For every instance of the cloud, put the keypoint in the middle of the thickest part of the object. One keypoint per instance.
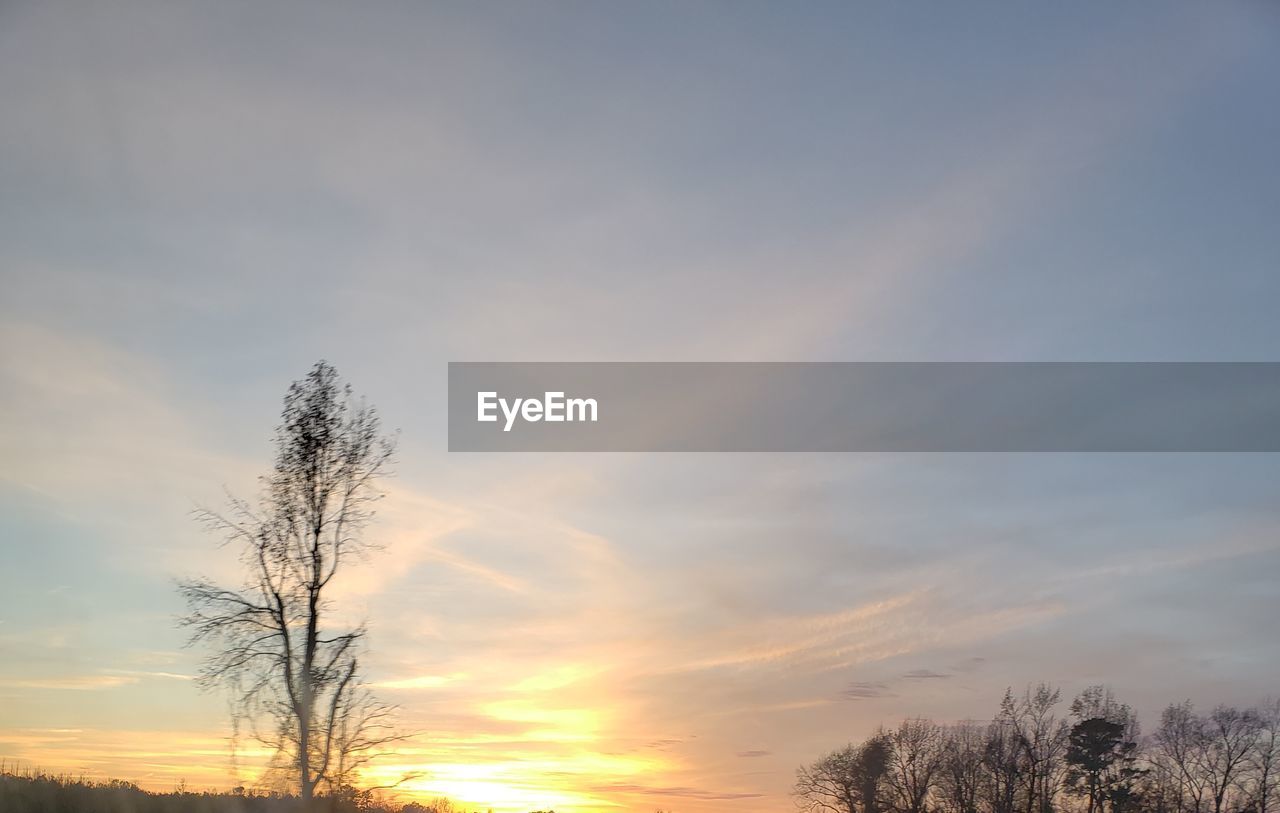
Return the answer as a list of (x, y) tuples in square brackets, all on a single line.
[(420, 682), (866, 690), (924, 674), (676, 791), (164, 675), (71, 683)]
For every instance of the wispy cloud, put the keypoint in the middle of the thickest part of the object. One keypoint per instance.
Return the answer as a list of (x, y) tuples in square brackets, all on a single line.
[(924, 674), (863, 690), (72, 683), (420, 682)]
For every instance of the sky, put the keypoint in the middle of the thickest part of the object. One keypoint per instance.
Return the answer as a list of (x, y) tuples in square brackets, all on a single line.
[(198, 201)]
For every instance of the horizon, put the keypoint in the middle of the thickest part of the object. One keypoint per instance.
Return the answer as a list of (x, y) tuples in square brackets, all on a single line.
[(202, 201)]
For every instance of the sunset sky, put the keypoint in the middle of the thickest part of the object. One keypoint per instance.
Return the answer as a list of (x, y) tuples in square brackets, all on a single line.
[(197, 202)]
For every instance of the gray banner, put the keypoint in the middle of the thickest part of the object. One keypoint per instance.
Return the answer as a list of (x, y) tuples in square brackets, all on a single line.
[(864, 407)]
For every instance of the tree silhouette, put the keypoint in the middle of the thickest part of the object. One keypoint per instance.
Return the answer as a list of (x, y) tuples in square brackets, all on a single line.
[(915, 760), (1102, 751), (1028, 759), (1100, 761), (294, 678), (850, 780)]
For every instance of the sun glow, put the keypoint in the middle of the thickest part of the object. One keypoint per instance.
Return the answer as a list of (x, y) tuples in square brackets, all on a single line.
[(518, 785)]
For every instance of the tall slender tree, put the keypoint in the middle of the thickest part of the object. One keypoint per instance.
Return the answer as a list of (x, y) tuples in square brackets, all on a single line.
[(293, 674)]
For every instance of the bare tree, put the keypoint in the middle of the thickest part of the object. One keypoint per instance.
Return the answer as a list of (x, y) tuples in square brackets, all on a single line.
[(1265, 760), (1229, 738), (294, 678), (961, 775), (850, 780), (915, 760), (1028, 760), (1043, 737), (1180, 743), (1004, 759), (1160, 789)]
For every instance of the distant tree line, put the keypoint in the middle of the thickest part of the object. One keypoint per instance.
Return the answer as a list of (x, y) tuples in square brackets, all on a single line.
[(1036, 757), (37, 792)]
